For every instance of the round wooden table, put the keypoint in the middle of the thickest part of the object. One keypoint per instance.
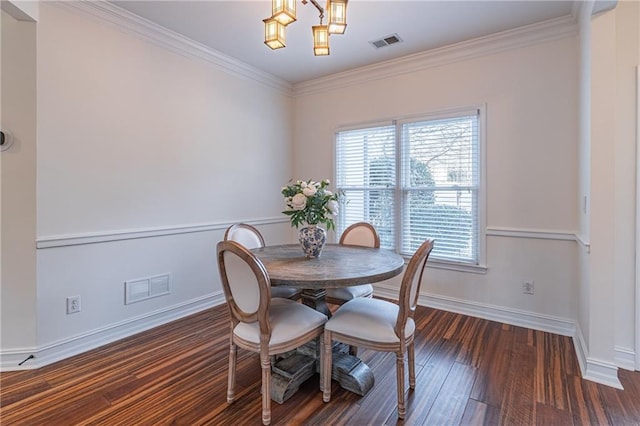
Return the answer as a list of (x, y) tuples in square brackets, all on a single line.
[(337, 266)]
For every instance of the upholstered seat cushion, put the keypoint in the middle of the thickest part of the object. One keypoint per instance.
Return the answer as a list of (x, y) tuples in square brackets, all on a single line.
[(288, 320), (368, 319), (284, 292), (348, 293)]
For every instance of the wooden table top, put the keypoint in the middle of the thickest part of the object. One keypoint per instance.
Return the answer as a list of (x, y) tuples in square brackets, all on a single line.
[(338, 266)]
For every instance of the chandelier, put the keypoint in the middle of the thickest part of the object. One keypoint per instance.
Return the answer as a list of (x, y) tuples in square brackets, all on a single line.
[(283, 12)]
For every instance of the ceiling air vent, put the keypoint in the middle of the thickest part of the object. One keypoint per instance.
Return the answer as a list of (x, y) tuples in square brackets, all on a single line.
[(386, 41)]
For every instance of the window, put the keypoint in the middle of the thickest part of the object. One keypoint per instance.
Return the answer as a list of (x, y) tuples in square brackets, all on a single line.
[(416, 179)]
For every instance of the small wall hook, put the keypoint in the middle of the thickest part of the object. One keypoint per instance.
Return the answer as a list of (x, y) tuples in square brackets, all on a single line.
[(5, 140)]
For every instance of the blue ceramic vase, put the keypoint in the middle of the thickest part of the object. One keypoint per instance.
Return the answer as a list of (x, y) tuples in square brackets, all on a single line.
[(312, 239)]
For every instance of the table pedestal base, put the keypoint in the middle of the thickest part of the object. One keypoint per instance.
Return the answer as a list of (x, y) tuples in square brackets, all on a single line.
[(315, 298), (288, 373), (352, 374)]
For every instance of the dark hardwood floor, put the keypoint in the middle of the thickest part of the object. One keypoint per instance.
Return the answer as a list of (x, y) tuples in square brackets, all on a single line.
[(469, 371)]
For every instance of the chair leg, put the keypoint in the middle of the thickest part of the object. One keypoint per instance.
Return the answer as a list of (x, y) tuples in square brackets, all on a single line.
[(231, 383), (320, 358), (412, 365), (400, 383), (265, 363), (326, 370)]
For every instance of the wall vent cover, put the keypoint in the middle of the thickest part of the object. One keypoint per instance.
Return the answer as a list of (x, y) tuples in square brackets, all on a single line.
[(146, 288), (386, 41)]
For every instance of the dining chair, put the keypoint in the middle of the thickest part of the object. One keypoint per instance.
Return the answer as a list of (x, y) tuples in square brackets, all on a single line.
[(251, 238), (358, 234), (259, 323), (381, 326)]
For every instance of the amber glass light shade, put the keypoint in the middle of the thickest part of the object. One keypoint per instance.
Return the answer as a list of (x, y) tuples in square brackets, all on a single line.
[(283, 11), (320, 40), (273, 33), (337, 10)]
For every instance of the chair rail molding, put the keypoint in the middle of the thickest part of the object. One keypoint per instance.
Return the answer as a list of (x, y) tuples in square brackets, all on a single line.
[(54, 241), (541, 234)]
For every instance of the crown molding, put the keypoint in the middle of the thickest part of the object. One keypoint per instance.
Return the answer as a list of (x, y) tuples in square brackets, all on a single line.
[(603, 6), (517, 38), (26, 11), (165, 38), (546, 31)]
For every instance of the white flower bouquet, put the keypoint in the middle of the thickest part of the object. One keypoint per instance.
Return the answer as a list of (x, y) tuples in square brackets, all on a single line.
[(310, 202)]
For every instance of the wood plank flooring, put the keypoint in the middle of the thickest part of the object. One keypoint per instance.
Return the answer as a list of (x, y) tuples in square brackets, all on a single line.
[(470, 371)]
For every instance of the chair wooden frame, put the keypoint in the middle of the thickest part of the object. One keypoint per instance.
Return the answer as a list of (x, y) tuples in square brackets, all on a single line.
[(345, 235), (230, 230), (407, 301), (260, 315), (287, 292)]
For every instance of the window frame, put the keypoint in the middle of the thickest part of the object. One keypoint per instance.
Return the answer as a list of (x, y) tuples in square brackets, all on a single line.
[(399, 190)]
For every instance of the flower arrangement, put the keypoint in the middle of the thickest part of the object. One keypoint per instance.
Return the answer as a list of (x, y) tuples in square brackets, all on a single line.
[(310, 202)]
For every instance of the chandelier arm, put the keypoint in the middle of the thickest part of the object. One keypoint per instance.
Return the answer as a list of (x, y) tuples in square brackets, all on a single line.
[(320, 8)]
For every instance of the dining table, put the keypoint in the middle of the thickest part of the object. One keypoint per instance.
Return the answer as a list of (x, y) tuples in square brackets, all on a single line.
[(339, 265)]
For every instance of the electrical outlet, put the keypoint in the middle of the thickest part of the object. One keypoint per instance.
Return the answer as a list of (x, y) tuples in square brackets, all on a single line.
[(527, 287), (73, 304)]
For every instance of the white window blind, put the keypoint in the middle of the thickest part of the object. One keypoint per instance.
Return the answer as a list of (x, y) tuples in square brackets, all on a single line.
[(415, 179), (440, 186), (366, 174)]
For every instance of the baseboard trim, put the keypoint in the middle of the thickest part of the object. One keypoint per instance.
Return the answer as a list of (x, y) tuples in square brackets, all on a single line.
[(515, 317), (602, 372), (57, 351), (625, 358), (581, 349), (592, 369)]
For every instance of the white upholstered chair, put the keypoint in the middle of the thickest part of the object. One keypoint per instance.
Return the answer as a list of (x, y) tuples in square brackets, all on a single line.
[(258, 322), (251, 238), (358, 234), (381, 326)]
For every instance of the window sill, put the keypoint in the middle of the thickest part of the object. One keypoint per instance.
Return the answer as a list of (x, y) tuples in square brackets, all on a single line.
[(453, 266)]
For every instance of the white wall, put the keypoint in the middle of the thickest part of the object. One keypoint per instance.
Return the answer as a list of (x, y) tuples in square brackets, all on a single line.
[(627, 59), (637, 277), (610, 50), (135, 140), (145, 155), (134, 136), (601, 294), (531, 164), (614, 52), (584, 165), (18, 185)]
